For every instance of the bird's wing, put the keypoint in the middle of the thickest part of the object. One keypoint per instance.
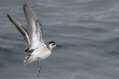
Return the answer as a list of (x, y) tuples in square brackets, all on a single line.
[(34, 28), (20, 28)]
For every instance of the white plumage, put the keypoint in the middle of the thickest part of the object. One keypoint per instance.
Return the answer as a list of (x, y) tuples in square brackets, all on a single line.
[(32, 33)]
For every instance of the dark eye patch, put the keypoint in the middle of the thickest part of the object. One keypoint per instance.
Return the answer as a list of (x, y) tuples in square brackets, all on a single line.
[(53, 43)]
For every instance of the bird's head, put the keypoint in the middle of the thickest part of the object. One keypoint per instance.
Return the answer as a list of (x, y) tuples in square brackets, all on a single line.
[(51, 44)]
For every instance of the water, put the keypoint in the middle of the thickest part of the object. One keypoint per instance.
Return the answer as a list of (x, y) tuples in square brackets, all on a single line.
[(88, 31)]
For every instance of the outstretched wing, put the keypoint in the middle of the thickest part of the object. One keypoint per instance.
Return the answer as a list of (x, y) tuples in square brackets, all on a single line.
[(35, 33), (20, 28)]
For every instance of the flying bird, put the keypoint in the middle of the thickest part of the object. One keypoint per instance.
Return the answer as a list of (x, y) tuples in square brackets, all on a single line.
[(32, 33)]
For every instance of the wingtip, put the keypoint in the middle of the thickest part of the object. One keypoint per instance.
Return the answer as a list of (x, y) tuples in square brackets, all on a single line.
[(25, 5), (8, 15)]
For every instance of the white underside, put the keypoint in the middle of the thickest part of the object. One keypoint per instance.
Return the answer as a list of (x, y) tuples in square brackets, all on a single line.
[(39, 54)]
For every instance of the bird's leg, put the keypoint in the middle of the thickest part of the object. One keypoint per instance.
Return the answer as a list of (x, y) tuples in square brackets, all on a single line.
[(39, 70)]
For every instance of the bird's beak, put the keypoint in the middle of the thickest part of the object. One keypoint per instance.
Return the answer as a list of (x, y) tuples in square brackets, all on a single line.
[(59, 46)]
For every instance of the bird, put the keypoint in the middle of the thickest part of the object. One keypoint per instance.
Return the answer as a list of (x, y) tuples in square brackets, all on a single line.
[(32, 33)]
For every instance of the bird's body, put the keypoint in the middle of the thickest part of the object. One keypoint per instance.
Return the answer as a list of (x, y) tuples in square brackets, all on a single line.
[(32, 33), (38, 54)]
